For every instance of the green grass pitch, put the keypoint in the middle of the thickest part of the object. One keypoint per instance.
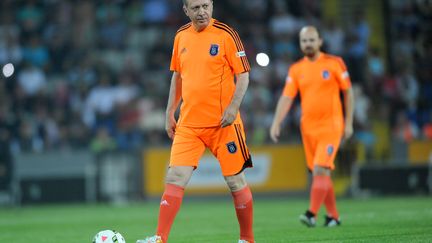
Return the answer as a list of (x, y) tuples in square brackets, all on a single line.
[(389, 219)]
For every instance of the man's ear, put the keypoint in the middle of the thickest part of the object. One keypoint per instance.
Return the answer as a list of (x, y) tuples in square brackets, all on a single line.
[(185, 10)]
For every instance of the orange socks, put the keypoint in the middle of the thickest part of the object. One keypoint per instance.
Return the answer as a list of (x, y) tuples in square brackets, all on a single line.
[(319, 189), (243, 203), (330, 202), (172, 199), (169, 206)]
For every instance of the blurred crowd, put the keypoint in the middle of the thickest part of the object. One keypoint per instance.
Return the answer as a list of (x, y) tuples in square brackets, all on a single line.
[(95, 74)]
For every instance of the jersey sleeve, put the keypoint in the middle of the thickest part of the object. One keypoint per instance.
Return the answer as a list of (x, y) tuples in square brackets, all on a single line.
[(235, 53), (342, 75), (291, 84), (175, 62)]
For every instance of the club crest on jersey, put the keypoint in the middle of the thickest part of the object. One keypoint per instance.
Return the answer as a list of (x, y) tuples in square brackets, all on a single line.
[(214, 49), (232, 147), (330, 149), (325, 74)]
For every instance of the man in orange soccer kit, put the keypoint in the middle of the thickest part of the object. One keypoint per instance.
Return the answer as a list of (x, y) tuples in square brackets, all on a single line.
[(210, 77), (319, 77)]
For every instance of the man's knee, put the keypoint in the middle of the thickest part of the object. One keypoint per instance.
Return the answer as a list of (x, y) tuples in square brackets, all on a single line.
[(236, 182), (179, 175)]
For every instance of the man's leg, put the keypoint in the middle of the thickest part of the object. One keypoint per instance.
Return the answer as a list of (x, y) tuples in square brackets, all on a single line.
[(322, 148), (326, 154), (318, 192), (243, 204), (176, 180), (330, 203), (320, 184)]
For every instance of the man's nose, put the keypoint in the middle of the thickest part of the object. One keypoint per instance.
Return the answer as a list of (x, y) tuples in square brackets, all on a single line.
[(201, 10)]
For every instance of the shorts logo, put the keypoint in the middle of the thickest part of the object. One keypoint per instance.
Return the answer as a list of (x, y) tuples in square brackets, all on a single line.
[(330, 149), (214, 49), (232, 147), (325, 74)]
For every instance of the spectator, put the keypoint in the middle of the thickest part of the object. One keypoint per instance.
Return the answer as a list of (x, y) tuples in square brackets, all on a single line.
[(36, 53), (405, 130), (357, 44), (10, 50), (408, 88), (99, 106), (102, 142), (334, 37), (155, 11), (362, 121), (32, 80), (427, 128)]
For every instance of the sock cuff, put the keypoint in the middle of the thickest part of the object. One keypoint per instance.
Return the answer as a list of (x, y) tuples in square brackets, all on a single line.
[(243, 196), (173, 190)]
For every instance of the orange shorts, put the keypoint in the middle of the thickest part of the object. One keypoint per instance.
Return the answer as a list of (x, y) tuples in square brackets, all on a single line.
[(227, 145), (321, 148)]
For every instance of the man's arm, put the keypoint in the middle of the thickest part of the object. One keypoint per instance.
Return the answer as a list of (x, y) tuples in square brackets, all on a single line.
[(349, 112), (231, 111), (173, 102), (282, 109)]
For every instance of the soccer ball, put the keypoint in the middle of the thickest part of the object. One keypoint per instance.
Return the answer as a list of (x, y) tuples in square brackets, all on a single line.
[(108, 236)]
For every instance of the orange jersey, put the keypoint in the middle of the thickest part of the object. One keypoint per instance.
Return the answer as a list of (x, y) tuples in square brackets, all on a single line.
[(207, 62), (319, 83)]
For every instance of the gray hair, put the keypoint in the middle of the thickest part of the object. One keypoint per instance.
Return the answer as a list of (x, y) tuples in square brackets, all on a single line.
[(185, 2)]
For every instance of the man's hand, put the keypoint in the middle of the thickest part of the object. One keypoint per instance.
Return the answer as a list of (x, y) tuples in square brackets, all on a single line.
[(170, 126), (282, 108), (275, 132), (348, 131), (229, 115)]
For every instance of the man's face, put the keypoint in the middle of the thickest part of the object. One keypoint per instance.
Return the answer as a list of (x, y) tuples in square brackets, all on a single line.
[(310, 42), (200, 12)]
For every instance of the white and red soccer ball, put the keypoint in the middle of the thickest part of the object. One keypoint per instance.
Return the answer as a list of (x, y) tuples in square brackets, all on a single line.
[(108, 236)]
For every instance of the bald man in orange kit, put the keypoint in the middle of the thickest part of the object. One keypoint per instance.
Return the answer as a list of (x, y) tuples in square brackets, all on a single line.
[(319, 78)]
